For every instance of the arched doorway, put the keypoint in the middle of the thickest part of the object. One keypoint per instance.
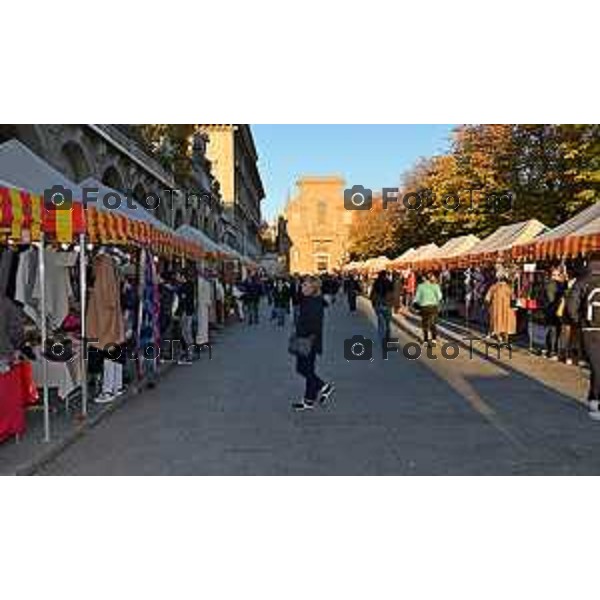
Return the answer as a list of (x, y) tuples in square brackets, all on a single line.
[(112, 179), (76, 163)]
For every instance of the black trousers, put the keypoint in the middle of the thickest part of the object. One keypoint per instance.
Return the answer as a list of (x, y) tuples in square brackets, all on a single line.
[(428, 319), (591, 345), (305, 366), (352, 301)]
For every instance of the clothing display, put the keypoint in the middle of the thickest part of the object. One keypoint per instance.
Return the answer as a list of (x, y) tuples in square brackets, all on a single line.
[(58, 285), (112, 378), (17, 391), (104, 315), (149, 323), (65, 377)]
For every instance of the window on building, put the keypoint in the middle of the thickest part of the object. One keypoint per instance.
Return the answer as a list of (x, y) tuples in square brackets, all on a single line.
[(322, 212), (322, 263)]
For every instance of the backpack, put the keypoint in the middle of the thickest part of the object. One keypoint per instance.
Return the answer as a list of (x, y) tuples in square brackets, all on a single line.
[(592, 305)]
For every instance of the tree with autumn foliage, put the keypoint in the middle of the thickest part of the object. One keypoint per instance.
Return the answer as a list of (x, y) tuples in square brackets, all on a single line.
[(550, 171)]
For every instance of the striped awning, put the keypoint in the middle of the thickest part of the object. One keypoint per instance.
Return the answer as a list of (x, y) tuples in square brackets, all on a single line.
[(23, 217)]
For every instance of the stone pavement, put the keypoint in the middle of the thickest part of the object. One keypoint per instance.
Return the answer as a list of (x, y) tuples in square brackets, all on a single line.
[(232, 415)]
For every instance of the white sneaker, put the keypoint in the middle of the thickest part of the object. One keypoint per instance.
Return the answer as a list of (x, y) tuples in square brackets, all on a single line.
[(594, 405), (595, 415), (104, 398), (569, 361), (325, 393), (303, 405)]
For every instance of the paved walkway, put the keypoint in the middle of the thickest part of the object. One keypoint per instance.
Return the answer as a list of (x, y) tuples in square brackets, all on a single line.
[(232, 415)]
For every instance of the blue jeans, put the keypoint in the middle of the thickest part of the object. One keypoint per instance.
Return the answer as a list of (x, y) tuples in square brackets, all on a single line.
[(279, 314), (384, 315)]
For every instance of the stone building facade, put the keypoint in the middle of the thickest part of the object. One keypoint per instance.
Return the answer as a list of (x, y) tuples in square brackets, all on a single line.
[(234, 158), (318, 226), (110, 154)]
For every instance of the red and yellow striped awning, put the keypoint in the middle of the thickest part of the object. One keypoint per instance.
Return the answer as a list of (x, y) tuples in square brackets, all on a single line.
[(23, 217)]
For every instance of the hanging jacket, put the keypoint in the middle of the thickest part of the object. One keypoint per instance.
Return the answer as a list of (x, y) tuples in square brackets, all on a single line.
[(104, 314)]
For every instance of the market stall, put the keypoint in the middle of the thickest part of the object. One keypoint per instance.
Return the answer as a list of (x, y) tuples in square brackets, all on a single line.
[(50, 259)]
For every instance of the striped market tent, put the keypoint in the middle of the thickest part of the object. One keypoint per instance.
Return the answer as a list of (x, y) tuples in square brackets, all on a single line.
[(578, 235), (24, 177), (502, 243), (421, 254)]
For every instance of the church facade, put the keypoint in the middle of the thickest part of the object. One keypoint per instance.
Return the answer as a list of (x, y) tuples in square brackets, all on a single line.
[(318, 225)]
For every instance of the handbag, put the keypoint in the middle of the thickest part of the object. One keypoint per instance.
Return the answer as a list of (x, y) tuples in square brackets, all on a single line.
[(300, 346)]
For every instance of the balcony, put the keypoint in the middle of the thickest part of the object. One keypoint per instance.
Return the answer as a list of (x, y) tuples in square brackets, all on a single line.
[(118, 134)]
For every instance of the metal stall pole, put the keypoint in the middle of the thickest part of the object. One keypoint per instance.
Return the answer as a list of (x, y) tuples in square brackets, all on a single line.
[(44, 327), (82, 302)]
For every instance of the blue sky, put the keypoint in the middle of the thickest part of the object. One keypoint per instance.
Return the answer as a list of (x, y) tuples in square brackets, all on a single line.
[(372, 155)]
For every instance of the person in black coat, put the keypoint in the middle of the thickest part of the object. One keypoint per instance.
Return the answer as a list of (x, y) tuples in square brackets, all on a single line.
[(310, 325), (353, 289), (554, 291), (583, 306)]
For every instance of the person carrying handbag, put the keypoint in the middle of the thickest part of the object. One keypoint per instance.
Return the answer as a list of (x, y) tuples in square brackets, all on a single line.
[(307, 343)]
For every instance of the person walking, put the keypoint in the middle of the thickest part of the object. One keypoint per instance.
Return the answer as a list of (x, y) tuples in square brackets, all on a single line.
[(296, 295), (409, 287), (583, 305), (252, 290), (353, 289), (427, 301), (503, 321), (382, 299), (554, 291), (397, 291), (309, 334), (281, 295)]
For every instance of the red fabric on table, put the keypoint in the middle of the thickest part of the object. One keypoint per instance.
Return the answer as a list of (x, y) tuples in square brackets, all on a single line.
[(17, 391)]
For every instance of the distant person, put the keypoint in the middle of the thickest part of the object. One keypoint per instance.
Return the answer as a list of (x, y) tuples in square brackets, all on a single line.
[(382, 299), (397, 287), (554, 291), (296, 295), (353, 289), (309, 331), (570, 328), (584, 306), (186, 309), (281, 296), (252, 292), (427, 301), (503, 320)]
